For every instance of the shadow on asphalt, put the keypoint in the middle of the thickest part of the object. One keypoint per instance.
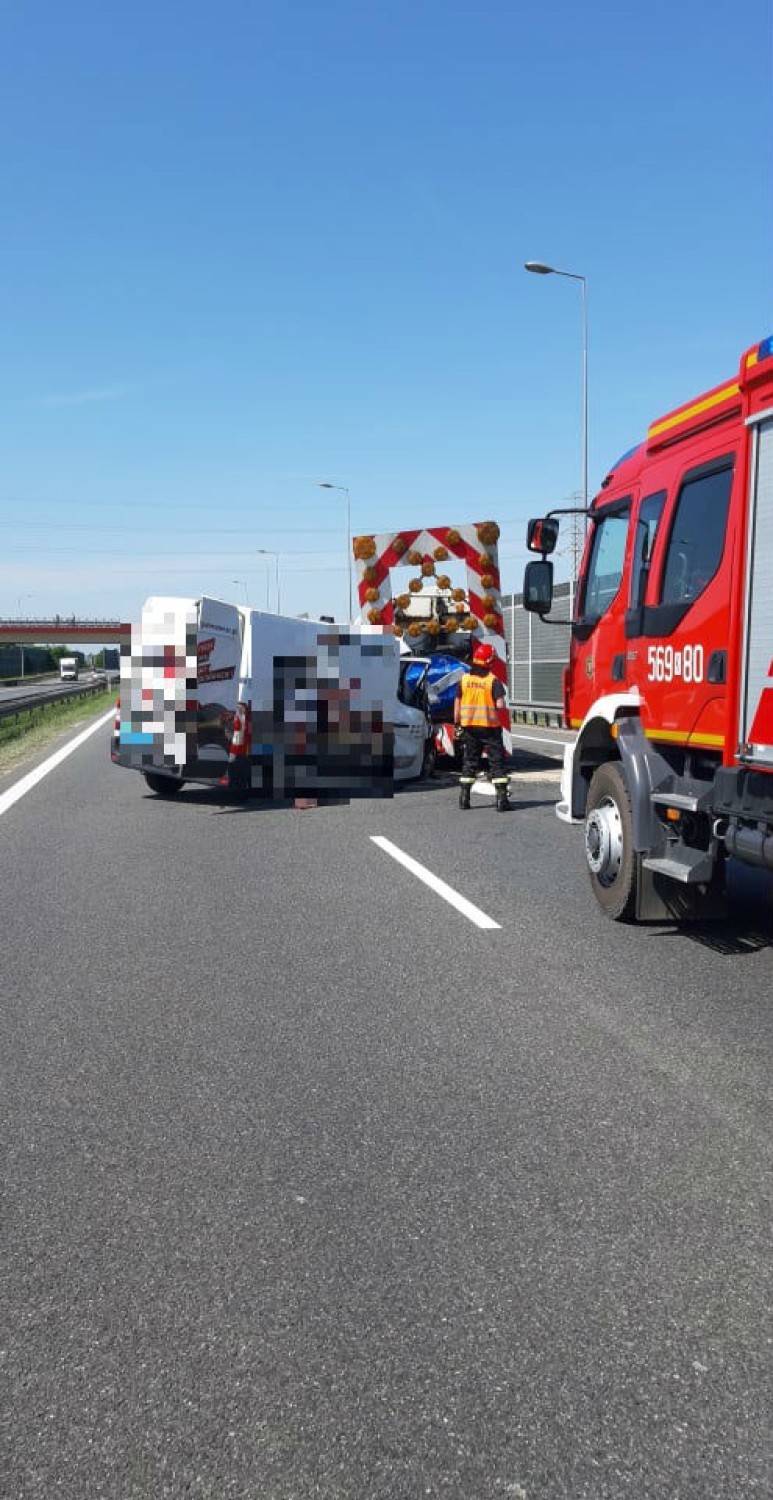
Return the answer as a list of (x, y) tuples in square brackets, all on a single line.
[(730, 938), (748, 926), (219, 801)]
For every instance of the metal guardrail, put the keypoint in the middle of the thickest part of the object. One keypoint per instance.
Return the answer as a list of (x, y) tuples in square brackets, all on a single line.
[(24, 703), (545, 714)]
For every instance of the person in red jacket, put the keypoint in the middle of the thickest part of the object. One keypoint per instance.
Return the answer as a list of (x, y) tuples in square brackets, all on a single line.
[(480, 711)]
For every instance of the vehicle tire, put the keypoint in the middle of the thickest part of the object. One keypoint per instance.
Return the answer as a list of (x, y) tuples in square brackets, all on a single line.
[(163, 786), (430, 759), (609, 843)]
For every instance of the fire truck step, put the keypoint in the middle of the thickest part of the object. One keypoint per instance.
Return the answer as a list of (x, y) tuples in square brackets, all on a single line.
[(694, 868), (684, 801)]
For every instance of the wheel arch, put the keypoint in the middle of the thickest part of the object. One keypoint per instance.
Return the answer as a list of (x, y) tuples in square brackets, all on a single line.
[(595, 744), (613, 731)]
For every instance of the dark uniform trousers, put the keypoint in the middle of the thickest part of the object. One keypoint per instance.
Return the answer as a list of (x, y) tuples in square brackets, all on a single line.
[(474, 742)]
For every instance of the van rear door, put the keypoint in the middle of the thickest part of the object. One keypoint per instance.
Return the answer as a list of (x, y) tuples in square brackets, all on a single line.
[(218, 658), (179, 688)]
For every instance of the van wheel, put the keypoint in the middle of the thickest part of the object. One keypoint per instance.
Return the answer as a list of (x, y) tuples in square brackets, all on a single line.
[(163, 786), (609, 843)]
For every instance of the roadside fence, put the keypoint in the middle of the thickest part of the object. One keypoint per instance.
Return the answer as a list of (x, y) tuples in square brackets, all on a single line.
[(537, 653)]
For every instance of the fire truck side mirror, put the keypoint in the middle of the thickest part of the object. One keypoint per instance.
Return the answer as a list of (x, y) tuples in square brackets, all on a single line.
[(538, 587), (542, 535)]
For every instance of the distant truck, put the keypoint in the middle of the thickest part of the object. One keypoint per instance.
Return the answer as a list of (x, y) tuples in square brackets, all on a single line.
[(69, 666), (228, 696)]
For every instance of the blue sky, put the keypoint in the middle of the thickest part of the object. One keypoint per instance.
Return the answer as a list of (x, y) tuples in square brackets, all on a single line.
[(252, 246)]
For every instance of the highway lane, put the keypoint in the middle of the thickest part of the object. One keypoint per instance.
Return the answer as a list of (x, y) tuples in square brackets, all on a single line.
[(31, 692), (24, 688), (315, 1188), (543, 742)]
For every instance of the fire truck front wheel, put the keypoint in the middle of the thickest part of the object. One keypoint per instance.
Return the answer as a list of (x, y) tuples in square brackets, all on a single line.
[(609, 842)]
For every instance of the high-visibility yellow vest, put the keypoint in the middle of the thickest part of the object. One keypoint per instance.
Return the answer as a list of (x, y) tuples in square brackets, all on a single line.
[(477, 709)]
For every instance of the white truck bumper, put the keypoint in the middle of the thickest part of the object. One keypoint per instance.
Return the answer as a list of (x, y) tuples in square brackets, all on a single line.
[(564, 804)]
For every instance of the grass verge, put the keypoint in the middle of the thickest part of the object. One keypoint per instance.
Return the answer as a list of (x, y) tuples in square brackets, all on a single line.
[(35, 728)]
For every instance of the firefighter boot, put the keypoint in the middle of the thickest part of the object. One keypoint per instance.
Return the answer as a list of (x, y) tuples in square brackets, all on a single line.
[(503, 804), (464, 794)]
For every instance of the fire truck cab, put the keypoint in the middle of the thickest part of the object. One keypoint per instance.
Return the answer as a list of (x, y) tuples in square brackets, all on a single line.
[(670, 676)]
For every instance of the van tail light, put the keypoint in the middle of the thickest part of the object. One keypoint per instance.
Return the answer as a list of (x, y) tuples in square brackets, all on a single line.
[(117, 721), (241, 737), (565, 680)]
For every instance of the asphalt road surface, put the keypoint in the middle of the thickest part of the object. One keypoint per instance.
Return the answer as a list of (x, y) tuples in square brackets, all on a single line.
[(315, 1188), (542, 742)]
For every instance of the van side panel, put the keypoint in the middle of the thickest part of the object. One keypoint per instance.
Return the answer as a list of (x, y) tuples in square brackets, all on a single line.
[(316, 703)]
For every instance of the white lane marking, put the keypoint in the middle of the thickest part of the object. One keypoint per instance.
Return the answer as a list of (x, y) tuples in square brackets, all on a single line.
[(535, 739), (32, 778), (473, 913)]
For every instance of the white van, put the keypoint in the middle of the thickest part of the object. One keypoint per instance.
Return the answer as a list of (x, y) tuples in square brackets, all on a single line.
[(220, 694)]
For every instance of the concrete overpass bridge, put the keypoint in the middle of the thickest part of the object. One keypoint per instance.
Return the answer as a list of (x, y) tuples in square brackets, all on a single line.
[(67, 631)]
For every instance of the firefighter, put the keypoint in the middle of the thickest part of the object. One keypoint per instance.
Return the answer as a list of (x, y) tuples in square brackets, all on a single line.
[(480, 712)]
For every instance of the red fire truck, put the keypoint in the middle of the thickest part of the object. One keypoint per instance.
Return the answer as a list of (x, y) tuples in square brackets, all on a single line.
[(670, 676)]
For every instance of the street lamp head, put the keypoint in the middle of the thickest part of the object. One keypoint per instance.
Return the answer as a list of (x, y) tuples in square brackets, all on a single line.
[(539, 267), (343, 489)]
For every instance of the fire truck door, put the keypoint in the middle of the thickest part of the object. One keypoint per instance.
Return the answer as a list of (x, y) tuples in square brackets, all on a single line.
[(599, 630), (755, 730)]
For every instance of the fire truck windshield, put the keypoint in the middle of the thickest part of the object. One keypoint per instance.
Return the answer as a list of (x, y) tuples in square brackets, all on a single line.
[(605, 565)]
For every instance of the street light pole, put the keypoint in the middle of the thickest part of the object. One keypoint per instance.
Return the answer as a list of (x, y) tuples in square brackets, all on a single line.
[(325, 485), (540, 269), (265, 552)]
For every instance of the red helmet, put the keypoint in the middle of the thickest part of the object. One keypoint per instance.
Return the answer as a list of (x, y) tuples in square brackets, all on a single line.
[(483, 655)]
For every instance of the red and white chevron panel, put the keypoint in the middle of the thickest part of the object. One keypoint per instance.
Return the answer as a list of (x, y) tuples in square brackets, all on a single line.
[(474, 545)]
